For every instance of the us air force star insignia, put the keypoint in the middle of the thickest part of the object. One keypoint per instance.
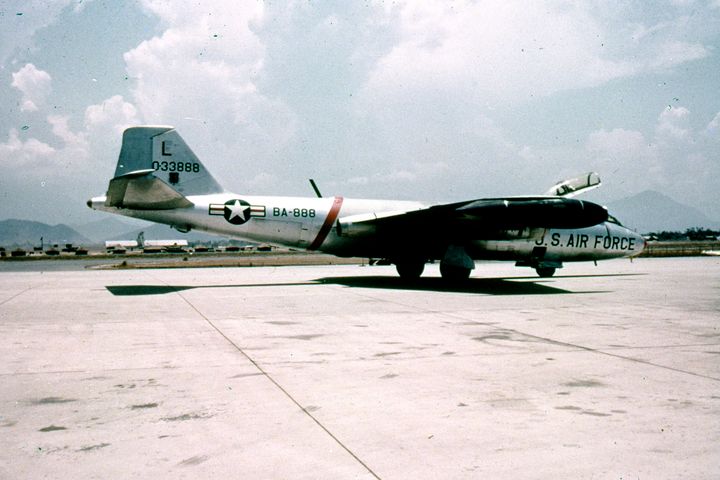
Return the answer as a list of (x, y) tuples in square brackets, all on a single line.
[(237, 211)]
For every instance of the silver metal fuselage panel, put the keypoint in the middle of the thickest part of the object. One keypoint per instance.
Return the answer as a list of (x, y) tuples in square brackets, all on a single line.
[(311, 223), (600, 242), (294, 222)]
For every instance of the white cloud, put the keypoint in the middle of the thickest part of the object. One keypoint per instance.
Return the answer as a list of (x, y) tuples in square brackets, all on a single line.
[(673, 123), (714, 126), (263, 181), (624, 157), (112, 115), (61, 130), (24, 155), (202, 73), (435, 92), (675, 160), (72, 152), (19, 23), (98, 141), (673, 53), (617, 143), (206, 59), (497, 52), (399, 176), (34, 158), (35, 86), (358, 181)]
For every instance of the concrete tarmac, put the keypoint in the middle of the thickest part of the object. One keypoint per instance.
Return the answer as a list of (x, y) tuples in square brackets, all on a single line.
[(347, 372)]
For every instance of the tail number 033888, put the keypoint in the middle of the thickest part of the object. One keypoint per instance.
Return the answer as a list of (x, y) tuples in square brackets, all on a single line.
[(176, 166)]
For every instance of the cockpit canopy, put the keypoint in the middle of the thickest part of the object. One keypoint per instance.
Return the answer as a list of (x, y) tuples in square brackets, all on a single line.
[(614, 220)]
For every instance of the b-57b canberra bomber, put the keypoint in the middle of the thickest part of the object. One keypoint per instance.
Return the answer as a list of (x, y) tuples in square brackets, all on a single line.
[(159, 178)]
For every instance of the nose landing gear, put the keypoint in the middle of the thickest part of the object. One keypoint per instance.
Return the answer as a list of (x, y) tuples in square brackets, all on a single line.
[(545, 272)]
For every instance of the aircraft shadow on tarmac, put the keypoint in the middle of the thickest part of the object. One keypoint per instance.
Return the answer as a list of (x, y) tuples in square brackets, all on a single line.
[(140, 290), (486, 286)]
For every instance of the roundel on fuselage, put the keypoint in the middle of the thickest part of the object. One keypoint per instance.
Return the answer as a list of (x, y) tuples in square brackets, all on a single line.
[(236, 211)]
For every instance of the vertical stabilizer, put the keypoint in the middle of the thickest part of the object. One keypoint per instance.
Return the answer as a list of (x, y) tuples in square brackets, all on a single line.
[(160, 148)]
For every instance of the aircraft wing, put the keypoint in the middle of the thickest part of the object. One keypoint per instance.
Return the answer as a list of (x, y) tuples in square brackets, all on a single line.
[(477, 219)]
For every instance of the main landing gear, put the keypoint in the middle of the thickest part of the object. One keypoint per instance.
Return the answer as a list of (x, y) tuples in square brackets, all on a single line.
[(455, 266), (410, 269), (454, 273)]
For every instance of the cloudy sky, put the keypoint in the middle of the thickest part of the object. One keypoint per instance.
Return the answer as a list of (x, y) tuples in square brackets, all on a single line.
[(429, 100)]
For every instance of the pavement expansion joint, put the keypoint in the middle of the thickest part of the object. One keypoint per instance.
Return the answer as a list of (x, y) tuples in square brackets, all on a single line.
[(280, 387), (16, 295)]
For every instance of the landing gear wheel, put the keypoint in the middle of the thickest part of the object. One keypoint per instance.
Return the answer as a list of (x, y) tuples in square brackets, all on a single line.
[(410, 270), (453, 273), (545, 272)]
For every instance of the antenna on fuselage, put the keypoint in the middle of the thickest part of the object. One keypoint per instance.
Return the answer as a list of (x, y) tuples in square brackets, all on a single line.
[(317, 191)]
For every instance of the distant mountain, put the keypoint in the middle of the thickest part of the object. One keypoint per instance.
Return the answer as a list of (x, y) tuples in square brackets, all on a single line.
[(651, 211), (104, 229), (24, 233)]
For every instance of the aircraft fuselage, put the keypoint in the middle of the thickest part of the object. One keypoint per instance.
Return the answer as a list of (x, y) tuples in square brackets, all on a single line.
[(311, 224)]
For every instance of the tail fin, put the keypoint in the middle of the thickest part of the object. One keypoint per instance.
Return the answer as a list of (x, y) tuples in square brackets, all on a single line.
[(157, 170)]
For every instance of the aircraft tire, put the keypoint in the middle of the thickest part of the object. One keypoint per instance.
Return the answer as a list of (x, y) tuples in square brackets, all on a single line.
[(410, 269), (453, 273), (545, 272)]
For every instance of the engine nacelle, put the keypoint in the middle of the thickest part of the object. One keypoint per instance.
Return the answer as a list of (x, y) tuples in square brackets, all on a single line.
[(356, 226)]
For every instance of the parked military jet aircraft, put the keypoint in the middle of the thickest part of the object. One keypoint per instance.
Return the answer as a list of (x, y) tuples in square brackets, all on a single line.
[(158, 178)]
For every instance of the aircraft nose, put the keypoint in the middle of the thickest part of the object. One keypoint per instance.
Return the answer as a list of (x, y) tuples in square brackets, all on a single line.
[(642, 242)]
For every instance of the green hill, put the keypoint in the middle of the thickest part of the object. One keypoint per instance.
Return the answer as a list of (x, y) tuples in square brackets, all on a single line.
[(25, 233)]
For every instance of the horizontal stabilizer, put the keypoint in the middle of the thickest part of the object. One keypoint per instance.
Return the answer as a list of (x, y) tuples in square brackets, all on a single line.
[(143, 191)]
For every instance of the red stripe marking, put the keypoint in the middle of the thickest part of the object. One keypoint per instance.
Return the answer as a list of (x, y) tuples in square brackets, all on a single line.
[(327, 224)]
